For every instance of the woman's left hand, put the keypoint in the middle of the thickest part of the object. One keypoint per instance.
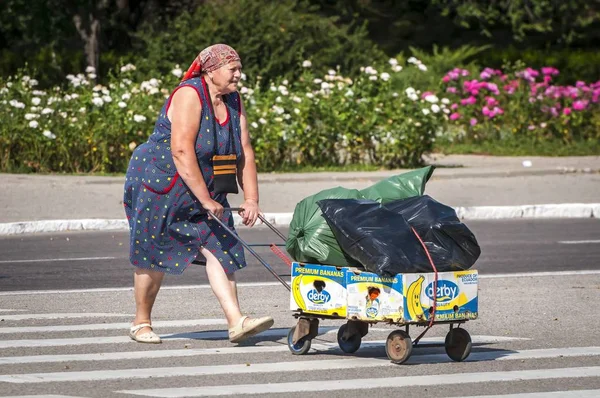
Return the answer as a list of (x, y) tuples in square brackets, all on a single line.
[(249, 212)]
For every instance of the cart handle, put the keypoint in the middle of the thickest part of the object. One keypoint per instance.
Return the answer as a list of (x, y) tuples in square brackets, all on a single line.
[(247, 247), (263, 219)]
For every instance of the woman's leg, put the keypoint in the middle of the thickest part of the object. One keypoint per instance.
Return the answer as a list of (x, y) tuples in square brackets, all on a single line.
[(224, 287), (146, 284)]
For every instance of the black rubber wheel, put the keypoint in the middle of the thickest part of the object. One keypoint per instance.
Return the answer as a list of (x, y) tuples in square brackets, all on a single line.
[(458, 344), (301, 347), (398, 346), (350, 345)]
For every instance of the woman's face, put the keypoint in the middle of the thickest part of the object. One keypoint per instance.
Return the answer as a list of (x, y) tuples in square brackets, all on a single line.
[(226, 78)]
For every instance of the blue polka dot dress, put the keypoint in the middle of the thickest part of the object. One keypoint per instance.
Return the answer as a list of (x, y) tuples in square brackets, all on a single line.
[(167, 223)]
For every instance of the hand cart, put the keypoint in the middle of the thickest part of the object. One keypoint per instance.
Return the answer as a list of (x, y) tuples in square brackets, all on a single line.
[(399, 344)]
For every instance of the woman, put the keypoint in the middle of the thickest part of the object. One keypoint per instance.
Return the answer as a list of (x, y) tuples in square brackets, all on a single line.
[(170, 186)]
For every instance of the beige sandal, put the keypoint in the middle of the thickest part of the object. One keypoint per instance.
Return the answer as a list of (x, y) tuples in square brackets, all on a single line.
[(252, 327), (148, 337)]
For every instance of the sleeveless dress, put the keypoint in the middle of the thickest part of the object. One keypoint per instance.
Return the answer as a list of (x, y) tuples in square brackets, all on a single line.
[(167, 223)]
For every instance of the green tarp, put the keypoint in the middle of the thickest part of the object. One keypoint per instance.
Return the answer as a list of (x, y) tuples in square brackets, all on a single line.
[(310, 239)]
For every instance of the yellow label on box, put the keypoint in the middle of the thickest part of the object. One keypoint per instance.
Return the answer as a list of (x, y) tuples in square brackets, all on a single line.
[(318, 289)]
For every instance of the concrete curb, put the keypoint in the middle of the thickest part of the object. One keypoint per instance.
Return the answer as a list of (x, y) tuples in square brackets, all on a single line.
[(561, 210)]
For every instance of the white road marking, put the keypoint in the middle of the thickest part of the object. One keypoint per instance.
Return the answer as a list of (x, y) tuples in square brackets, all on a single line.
[(293, 366), (265, 284), (49, 260), (318, 347), (370, 383), (106, 326), (59, 315), (578, 242), (11, 310)]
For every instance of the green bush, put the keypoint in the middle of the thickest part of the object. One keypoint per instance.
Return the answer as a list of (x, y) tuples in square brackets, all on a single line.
[(273, 38)]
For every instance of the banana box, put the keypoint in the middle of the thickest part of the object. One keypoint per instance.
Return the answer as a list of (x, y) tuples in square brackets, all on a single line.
[(373, 297), (318, 289), (455, 296)]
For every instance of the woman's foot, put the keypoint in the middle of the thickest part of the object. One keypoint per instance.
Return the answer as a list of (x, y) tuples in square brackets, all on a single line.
[(248, 327), (143, 333)]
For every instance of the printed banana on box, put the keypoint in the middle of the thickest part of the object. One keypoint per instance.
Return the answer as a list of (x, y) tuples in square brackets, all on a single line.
[(455, 296), (372, 297), (318, 289)]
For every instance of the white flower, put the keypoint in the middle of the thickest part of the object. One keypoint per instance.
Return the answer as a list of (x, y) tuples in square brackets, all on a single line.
[(91, 76), (33, 83), (33, 124), (422, 67), (278, 119), (309, 95), (283, 90), (139, 118), (31, 116), (409, 91), (431, 98), (243, 76), (9, 84), (126, 96), (446, 111), (306, 64), (296, 99), (47, 111), (48, 134), (413, 96), (82, 110), (4, 90), (35, 92), (369, 70), (132, 145), (97, 101), (393, 61), (413, 60), (331, 72), (25, 79), (127, 68), (278, 99), (254, 125), (127, 82), (107, 98), (296, 111), (445, 101), (426, 111), (349, 93), (121, 104), (177, 72), (435, 108), (325, 86), (36, 101), (243, 90), (279, 110), (317, 81), (373, 77), (153, 91), (34, 108), (17, 104), (105, 91), (74, 95), (394, 94), (90, 69), (262, 121), (385, 76), (63, 114), (273, 88)]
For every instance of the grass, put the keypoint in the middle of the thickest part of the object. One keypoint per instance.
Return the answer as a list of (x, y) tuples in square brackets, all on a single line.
[(520, 147)]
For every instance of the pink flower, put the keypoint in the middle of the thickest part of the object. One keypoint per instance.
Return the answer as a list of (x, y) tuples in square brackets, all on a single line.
[(531, 127), (455, 116), (580, 105), (567, 111), (451, 90), (549, 70), (468, 101), (486, 111), (446, 79), (453, 106), (491, 101), (425, 94), (473, 121)]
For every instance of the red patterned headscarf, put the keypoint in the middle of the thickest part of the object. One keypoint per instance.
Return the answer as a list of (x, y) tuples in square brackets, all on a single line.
[(210, 59)]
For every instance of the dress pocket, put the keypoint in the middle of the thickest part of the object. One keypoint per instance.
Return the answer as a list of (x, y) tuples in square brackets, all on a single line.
[(160, 177)]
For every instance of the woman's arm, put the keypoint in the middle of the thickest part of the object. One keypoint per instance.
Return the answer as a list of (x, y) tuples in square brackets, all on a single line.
[(185, 113), (247, 175)]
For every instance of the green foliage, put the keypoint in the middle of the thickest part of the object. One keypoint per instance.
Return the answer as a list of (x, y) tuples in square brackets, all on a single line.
[(273, 38)]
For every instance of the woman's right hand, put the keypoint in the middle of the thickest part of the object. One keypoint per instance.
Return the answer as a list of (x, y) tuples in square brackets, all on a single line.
[(214, 207)]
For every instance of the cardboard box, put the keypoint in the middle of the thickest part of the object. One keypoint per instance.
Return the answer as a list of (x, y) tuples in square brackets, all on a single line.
[(456, 296), (372, 297), (318, 289)]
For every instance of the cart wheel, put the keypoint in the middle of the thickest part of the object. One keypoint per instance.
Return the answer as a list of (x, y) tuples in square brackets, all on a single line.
[(398, 346), (301, 347), (351, 344), (458, 344)]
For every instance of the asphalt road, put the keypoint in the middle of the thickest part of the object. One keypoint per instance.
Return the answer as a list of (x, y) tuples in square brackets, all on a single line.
[(83, 260), (536, 332)]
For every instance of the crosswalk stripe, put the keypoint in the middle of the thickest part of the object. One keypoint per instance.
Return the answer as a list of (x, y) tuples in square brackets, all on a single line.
[(9, 310), (370, 383), (128, 355), (292, 366), (106, 326), (42, 396), (548, 394), (23, 317)]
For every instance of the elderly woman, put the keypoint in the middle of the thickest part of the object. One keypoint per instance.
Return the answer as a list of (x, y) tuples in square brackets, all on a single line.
[(185, 169)]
